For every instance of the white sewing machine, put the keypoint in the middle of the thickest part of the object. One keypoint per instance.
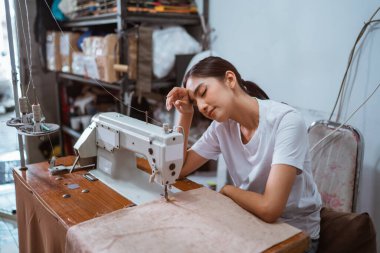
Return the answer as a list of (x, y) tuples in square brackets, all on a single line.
[(115, 139)]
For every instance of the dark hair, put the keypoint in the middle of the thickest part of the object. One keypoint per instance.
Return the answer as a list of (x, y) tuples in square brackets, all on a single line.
[(217, 67)]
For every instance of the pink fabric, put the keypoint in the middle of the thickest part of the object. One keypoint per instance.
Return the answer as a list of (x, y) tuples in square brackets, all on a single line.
[(334, 166), (200, 220)]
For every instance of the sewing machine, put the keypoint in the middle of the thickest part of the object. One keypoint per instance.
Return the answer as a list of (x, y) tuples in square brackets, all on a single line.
[(115, 139)]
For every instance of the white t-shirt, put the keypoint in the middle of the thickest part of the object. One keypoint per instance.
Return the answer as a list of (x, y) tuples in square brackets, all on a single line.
[(281, 138)]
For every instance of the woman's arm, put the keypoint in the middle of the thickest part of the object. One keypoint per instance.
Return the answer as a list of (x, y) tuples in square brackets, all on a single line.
[(179, 98), (270, 205), (192, 160), (185, 122)]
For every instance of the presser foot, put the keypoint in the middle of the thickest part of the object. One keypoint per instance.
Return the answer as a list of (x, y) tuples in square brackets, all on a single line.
[(166, 195)]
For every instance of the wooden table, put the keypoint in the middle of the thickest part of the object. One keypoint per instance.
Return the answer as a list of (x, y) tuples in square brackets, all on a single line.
[(44, 215)]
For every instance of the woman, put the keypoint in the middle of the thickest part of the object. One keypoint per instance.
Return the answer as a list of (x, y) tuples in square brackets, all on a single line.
[(263, 142)]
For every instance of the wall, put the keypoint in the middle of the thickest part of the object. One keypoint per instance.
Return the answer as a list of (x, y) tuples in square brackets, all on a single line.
[(298, 51)]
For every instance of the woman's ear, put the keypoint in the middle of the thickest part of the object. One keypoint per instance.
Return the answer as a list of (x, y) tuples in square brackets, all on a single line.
[(230, 78)]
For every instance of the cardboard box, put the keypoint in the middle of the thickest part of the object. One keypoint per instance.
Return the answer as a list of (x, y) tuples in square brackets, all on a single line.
[(68, 45), (53, 57), (105, 69), (104, 52), (106, 57), (78, 66), (91, 67), (110, 46), (91, 45)]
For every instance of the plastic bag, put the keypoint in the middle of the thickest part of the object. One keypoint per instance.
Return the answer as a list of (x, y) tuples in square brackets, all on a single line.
[(167, 43)]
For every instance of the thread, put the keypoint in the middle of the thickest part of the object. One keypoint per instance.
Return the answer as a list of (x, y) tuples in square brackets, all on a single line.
[(23, 104), (36, 109), (28, 52), (179, 127)]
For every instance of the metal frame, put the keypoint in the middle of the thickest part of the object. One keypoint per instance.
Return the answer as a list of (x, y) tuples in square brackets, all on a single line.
[(14, 77), (103, 19), (359, 155)]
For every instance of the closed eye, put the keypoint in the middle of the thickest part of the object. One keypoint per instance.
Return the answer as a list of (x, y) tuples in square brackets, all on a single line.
[(204, 92)]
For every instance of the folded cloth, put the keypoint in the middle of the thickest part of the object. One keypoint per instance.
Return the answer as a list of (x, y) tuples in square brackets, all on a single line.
[(199, 220)]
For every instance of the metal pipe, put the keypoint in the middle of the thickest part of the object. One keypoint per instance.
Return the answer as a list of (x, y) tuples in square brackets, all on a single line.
[(14, 77)]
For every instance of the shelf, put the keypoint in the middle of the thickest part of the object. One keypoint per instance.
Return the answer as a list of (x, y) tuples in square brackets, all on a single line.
[(163, 18), (111, 18), (73, 133), (116, 86), (87, 80), (104, 19)]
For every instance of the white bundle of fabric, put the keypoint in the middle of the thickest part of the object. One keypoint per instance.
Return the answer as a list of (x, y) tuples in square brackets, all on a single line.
[(167, 43)]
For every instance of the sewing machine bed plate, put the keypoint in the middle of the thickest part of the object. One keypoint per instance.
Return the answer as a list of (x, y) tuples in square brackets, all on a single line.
[(137, 188)]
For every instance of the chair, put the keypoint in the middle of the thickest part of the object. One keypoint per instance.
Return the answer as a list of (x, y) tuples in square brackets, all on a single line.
[(336, 163)]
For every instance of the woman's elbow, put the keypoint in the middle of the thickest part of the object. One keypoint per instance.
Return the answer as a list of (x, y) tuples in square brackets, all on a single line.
[(270, 214), (269, 218)]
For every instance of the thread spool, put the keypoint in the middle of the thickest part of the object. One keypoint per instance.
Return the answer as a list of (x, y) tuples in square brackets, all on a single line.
[(36, 109), (23, 104), (165, 126)]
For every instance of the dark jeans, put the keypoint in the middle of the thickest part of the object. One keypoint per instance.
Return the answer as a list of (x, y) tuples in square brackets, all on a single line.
[(313, 248)]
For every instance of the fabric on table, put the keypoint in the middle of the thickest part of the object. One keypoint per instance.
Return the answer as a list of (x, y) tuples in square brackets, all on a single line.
[(199, 220), (39, 230)]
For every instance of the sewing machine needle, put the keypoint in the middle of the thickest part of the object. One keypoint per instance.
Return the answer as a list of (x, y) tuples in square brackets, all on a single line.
[(166, 193)]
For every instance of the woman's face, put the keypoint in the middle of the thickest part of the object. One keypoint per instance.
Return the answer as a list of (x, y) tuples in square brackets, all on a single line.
[(212, 97)]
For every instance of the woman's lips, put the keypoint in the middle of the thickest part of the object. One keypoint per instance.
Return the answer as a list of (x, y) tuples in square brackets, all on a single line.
[(209, 114)]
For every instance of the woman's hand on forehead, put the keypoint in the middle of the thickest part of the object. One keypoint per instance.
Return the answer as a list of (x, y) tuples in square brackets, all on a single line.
[(180, 99)]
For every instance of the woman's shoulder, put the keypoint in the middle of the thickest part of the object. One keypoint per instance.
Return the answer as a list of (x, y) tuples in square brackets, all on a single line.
[(274, 111), (275, 105), (272, 106)]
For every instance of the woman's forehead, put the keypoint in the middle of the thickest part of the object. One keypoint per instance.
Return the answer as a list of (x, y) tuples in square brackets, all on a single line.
[(193, 82)]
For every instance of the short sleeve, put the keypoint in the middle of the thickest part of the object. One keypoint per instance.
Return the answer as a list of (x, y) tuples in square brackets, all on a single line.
[(208, 145), (291, 142)]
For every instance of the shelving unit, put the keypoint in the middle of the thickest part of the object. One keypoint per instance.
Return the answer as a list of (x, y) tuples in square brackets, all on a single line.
[(162, 18), (104, 19), (89, 81), (113, 21), (120, 22)]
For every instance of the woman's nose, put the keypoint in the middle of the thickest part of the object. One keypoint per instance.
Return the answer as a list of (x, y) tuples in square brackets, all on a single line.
[(203, 107)]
